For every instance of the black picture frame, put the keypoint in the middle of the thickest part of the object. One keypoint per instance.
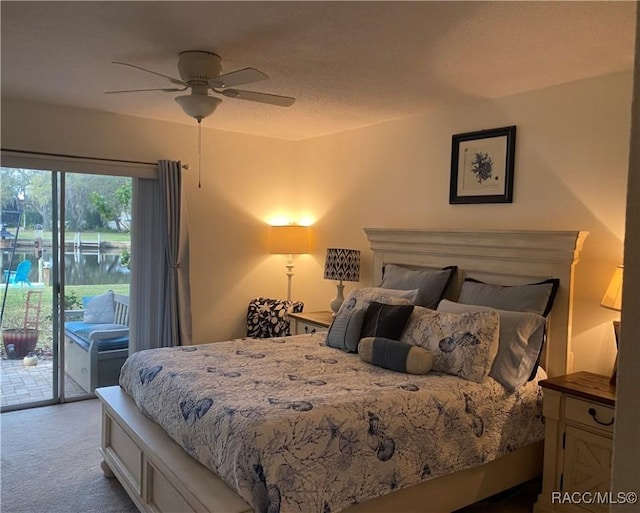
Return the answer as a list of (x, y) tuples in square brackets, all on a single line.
[(482, 166)]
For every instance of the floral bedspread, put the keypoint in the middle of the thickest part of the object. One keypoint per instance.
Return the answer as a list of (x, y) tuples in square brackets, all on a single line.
[(295, 426)]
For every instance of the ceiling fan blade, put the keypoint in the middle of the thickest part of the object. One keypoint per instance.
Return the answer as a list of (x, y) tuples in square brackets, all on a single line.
[(239, 77), (164, 90), (272, 99), (171, 79)]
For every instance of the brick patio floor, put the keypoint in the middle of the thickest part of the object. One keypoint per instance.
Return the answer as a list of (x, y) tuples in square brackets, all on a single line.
[(21, 384)]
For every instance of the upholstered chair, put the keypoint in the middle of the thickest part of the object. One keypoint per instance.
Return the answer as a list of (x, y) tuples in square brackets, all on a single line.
[(268, 317)]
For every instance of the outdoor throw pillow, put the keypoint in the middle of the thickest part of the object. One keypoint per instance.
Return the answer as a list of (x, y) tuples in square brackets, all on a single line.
[(99, 309)]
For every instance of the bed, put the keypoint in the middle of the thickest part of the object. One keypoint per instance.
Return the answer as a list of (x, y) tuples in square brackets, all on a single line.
[(160, 475)]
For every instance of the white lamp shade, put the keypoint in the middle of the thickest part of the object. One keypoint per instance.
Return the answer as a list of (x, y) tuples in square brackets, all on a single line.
[(613, 296), (291, 239)]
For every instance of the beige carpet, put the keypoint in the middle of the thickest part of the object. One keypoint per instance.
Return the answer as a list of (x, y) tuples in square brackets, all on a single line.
[(50, 464)]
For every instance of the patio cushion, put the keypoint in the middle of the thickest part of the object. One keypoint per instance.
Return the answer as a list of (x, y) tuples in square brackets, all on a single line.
[(81, 332)]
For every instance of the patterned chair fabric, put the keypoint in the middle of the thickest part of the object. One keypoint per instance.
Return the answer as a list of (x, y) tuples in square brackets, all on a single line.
[(268, 317)]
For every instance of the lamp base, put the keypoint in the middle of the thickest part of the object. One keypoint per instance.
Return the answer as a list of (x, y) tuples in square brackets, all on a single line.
[(338, 300)]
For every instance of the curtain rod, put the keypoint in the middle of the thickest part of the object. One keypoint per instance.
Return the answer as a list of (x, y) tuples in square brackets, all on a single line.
[(101, 159)]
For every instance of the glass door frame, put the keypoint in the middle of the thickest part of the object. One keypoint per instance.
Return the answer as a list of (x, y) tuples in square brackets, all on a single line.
[(58, 233)]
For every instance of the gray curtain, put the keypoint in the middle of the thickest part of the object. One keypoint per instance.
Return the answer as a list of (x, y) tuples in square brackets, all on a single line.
[(160, 312), (177, 295)]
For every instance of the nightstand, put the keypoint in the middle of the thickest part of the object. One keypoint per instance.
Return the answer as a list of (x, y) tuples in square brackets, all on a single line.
[(310, 322), (579, 411)]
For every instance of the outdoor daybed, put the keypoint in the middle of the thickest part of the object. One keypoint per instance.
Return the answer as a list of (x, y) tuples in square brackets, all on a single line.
[(96, 340)]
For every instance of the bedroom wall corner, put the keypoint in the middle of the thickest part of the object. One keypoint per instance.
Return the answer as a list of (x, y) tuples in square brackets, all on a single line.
[(571, 160)]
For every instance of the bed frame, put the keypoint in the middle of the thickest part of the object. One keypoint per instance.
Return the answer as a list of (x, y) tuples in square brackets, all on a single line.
[(160, 477)]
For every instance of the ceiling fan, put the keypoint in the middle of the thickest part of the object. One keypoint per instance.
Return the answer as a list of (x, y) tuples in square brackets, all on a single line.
[(200, 71)]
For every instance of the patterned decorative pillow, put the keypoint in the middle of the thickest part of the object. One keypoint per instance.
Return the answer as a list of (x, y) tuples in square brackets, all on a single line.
[(395, 355), (267, 317), (533, 297), (521, 337), (462, 344), (99, 309), (431, 283), (344, 332), (386, 321), (360, 298)]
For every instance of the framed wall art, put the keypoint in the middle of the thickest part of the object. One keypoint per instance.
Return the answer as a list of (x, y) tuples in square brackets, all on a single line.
[(482, 166)]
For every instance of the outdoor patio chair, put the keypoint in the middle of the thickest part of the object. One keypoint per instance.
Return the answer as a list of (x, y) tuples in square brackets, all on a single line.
[(21, 275)]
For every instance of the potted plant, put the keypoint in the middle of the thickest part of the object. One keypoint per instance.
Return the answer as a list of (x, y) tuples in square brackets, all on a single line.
[(18, 341)]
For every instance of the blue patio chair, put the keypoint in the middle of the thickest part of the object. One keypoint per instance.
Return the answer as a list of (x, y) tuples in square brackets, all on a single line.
[(21, 275)]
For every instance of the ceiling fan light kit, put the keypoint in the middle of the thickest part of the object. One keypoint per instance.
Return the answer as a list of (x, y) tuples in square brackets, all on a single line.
[(198, 106)]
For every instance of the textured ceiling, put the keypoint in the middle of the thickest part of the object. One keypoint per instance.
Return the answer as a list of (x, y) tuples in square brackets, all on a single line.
[(349, 64)]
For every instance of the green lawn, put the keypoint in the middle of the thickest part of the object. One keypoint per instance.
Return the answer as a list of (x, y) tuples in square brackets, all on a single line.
[(16, 303)]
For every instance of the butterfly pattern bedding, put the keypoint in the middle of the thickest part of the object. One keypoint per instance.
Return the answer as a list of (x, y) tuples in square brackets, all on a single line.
[(295, 426)]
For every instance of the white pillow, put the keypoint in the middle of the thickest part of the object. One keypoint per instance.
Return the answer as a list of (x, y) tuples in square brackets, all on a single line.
[(521, 337), (462, 344), (99, 309), (360, 298)]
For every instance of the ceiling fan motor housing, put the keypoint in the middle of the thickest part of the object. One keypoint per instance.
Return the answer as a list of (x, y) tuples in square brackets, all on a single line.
[(199, 66)]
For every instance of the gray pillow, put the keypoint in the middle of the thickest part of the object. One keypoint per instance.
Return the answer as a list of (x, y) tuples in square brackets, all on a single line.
[(394, 355), (99, 309), (462, 344), (534, 297), (431, 283), (344, 332), (521, 338)]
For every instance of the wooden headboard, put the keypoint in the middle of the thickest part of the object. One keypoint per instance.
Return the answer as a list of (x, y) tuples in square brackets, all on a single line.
[(500, 257)]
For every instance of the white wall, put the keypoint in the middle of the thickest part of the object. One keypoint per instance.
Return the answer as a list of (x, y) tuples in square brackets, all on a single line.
[(571, 160)]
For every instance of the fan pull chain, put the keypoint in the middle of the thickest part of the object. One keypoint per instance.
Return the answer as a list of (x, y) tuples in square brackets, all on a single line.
[(199, 152)]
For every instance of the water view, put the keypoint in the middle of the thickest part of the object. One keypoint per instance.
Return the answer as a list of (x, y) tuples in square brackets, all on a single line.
[(80, 268)]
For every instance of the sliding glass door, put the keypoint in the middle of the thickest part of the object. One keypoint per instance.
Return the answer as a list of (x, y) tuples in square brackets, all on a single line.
[(64, 241)]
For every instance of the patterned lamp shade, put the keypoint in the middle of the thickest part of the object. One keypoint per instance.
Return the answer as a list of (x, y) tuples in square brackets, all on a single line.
[(342, 264)]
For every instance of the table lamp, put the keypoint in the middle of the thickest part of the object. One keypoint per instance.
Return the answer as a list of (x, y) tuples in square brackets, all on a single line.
[(612, 299), (343, 265)]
